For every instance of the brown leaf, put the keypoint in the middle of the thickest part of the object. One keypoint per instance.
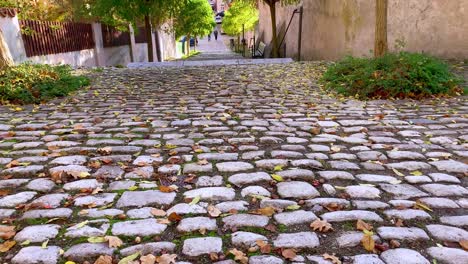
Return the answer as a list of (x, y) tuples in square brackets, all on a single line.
[(271, 228), (214, 256), (399, 223), (265, 248), (394, 243), (239, 255), (361, 225), (464, 244), (268, 211), (174, 217), (321, 226), (288, 254), (4, 192), (163, 221), (166, 259), (7, 232), (333, 207), (104, 260), (12, 164), (7, 245), (213, 211), (148, 259), (202, 162), (158, 212), (114, 242), (368, 242), (334, 259), (166, 189)]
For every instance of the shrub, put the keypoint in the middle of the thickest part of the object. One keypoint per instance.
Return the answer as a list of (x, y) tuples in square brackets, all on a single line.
[(35, 83), (401, 75)]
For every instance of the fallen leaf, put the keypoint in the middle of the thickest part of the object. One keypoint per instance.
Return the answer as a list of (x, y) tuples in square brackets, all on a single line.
[(399, 223), (268, 211), (26, 242), (368, 242), (166, 259), (416, 173), (195, 200), (277, 177), (163, 221), (44, 244), (239, 255), (421, 205), (7, 245), (148, 259), (398, 173), (202, 162), (114, 242), (96, 239), (104, 260), (166, 189), (333, 207), (174, 217), (213, 211), (158, 212), (361, 225), (72, 262), (278, 168), (335, 149), (464, 244), (321, 226), (394, 244), (82, 224), (334, 259), (7, 232), (128, 259), (265, 248), (288, 254), (293, 207)]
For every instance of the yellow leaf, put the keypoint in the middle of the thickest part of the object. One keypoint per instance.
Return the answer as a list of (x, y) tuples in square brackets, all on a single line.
[(278, 168), (96, 240), (195, 200), (4, 247), (84, 174), (293, 207), (44, 244), (25, 243), (268, 211), (133, 188), (421, 205), (70, 262), (277, 177), (130, 258), (398, 173), (416, 173), (80, 225), (368, 243)]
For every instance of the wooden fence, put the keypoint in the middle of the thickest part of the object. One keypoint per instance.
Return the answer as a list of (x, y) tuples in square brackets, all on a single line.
[(43, 37), (113, 37)]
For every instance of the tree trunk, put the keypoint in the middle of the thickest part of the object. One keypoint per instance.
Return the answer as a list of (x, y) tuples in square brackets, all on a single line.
[(149, 38), (188, 44), (158, 45), (380, 44), (274, 39), (5, 56)]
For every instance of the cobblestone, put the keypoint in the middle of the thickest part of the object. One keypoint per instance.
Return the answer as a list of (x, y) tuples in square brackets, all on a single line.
[(217, 147)]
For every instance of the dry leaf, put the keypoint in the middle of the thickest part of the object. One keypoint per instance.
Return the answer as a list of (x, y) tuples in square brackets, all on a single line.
[(114, 242), (368, 242), (202, 162), (174, 217), (421, 205), (239, 255), (265, 248), (288, 254), (399, 223), (213, 211), (333, 207), (166, 189), (148, 259), (334, 259), (321, 226), (268, 211), (361, 225), (163, 221), (104, 260), (158, 212), (464, 244), (7, 232), (4, 247)]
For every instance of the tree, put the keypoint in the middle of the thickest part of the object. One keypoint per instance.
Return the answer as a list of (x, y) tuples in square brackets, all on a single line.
[(195, 18), (120, 13), (239, 16), (380, 42), (44, 10), (5, 56), (272, 5)]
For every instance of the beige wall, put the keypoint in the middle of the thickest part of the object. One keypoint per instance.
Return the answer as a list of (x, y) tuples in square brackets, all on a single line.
[(334, 28)]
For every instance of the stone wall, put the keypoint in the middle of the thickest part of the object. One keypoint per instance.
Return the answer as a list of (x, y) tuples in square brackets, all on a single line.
[(334, 28)]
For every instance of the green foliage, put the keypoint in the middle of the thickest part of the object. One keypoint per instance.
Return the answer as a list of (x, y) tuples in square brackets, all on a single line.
[(401, 75), (45, 10), (34, 83), (240, 14), (195, 18)]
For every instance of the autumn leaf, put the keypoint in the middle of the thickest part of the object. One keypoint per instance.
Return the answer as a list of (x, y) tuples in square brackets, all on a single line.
[(148, 259), (421, 205), (239, 255), (265, 248), (464, 244), (398, 173), (174, 217), (268, 211), (416, 173), (96, 239), (158, 212), (288, 254), (368, 242), (361, 225), (195, 200), (166, 259), (213, 211), (167, 189), (7, 245), (334, 259), (333, 207), (277, 177), (202, 162), (114, 242), (7, 232), (104, 260), (129, 259), (321, 226)]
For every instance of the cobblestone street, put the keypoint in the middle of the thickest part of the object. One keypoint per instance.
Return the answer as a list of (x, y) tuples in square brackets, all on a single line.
[(212, 163)]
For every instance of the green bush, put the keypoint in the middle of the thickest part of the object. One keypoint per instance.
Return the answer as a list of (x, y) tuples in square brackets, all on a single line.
[(402, 75), (35, 83)]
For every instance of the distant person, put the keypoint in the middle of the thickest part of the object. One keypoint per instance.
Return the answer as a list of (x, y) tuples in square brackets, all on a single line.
[(216, 34), (209, 36)]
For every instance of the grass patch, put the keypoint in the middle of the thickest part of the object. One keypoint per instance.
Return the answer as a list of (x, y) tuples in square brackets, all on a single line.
[(395, 75), (35, 83)]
